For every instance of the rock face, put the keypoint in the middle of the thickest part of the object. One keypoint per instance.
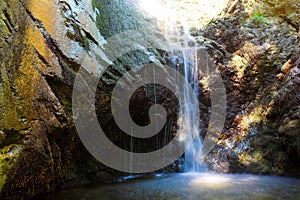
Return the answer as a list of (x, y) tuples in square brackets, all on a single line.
[(42, 46), (256, 48)]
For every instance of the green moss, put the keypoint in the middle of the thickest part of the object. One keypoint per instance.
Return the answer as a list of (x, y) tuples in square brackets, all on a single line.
[(194, 30), (9, 115), (8, 157), (115, 16)]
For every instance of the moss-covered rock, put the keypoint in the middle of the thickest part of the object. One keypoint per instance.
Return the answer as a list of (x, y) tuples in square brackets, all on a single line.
[(43, 44)]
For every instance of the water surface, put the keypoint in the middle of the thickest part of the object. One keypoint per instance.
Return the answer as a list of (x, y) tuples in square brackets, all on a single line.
[(190, 186)]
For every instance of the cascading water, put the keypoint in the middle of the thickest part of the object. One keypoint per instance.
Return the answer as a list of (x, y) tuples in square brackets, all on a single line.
[(185, 59), (189, 116)]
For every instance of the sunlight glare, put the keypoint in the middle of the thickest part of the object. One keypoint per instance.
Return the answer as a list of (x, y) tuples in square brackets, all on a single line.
[(211, 181), (155, 8), (194, 12)]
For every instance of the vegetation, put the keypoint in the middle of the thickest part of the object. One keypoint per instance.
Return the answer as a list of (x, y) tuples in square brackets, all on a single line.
[(257, 16)]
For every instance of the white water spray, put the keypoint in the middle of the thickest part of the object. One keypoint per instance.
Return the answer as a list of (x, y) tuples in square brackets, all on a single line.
[(185, 59)]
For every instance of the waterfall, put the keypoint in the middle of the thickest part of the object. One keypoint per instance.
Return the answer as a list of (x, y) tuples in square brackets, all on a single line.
[(175, 28), (185, 58), (189, 124)]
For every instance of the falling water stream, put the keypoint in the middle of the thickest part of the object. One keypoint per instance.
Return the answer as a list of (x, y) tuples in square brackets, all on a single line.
[(190, 107), (185, 53)]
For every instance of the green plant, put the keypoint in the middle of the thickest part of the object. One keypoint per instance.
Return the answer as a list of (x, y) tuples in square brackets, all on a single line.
[(257, 16), (194, 30)]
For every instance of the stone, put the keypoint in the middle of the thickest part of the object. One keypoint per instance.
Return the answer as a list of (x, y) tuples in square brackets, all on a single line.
[(261, 76)]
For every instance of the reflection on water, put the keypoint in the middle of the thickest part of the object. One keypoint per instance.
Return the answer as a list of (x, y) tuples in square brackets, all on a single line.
[(212, 181), (192, 186)]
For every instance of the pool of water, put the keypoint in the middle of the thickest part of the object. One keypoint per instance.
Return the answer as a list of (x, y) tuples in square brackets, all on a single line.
[(189, 186)]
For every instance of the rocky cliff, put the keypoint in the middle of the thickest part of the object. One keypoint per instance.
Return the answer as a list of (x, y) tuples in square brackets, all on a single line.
[(255, 45), (43, 44)]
